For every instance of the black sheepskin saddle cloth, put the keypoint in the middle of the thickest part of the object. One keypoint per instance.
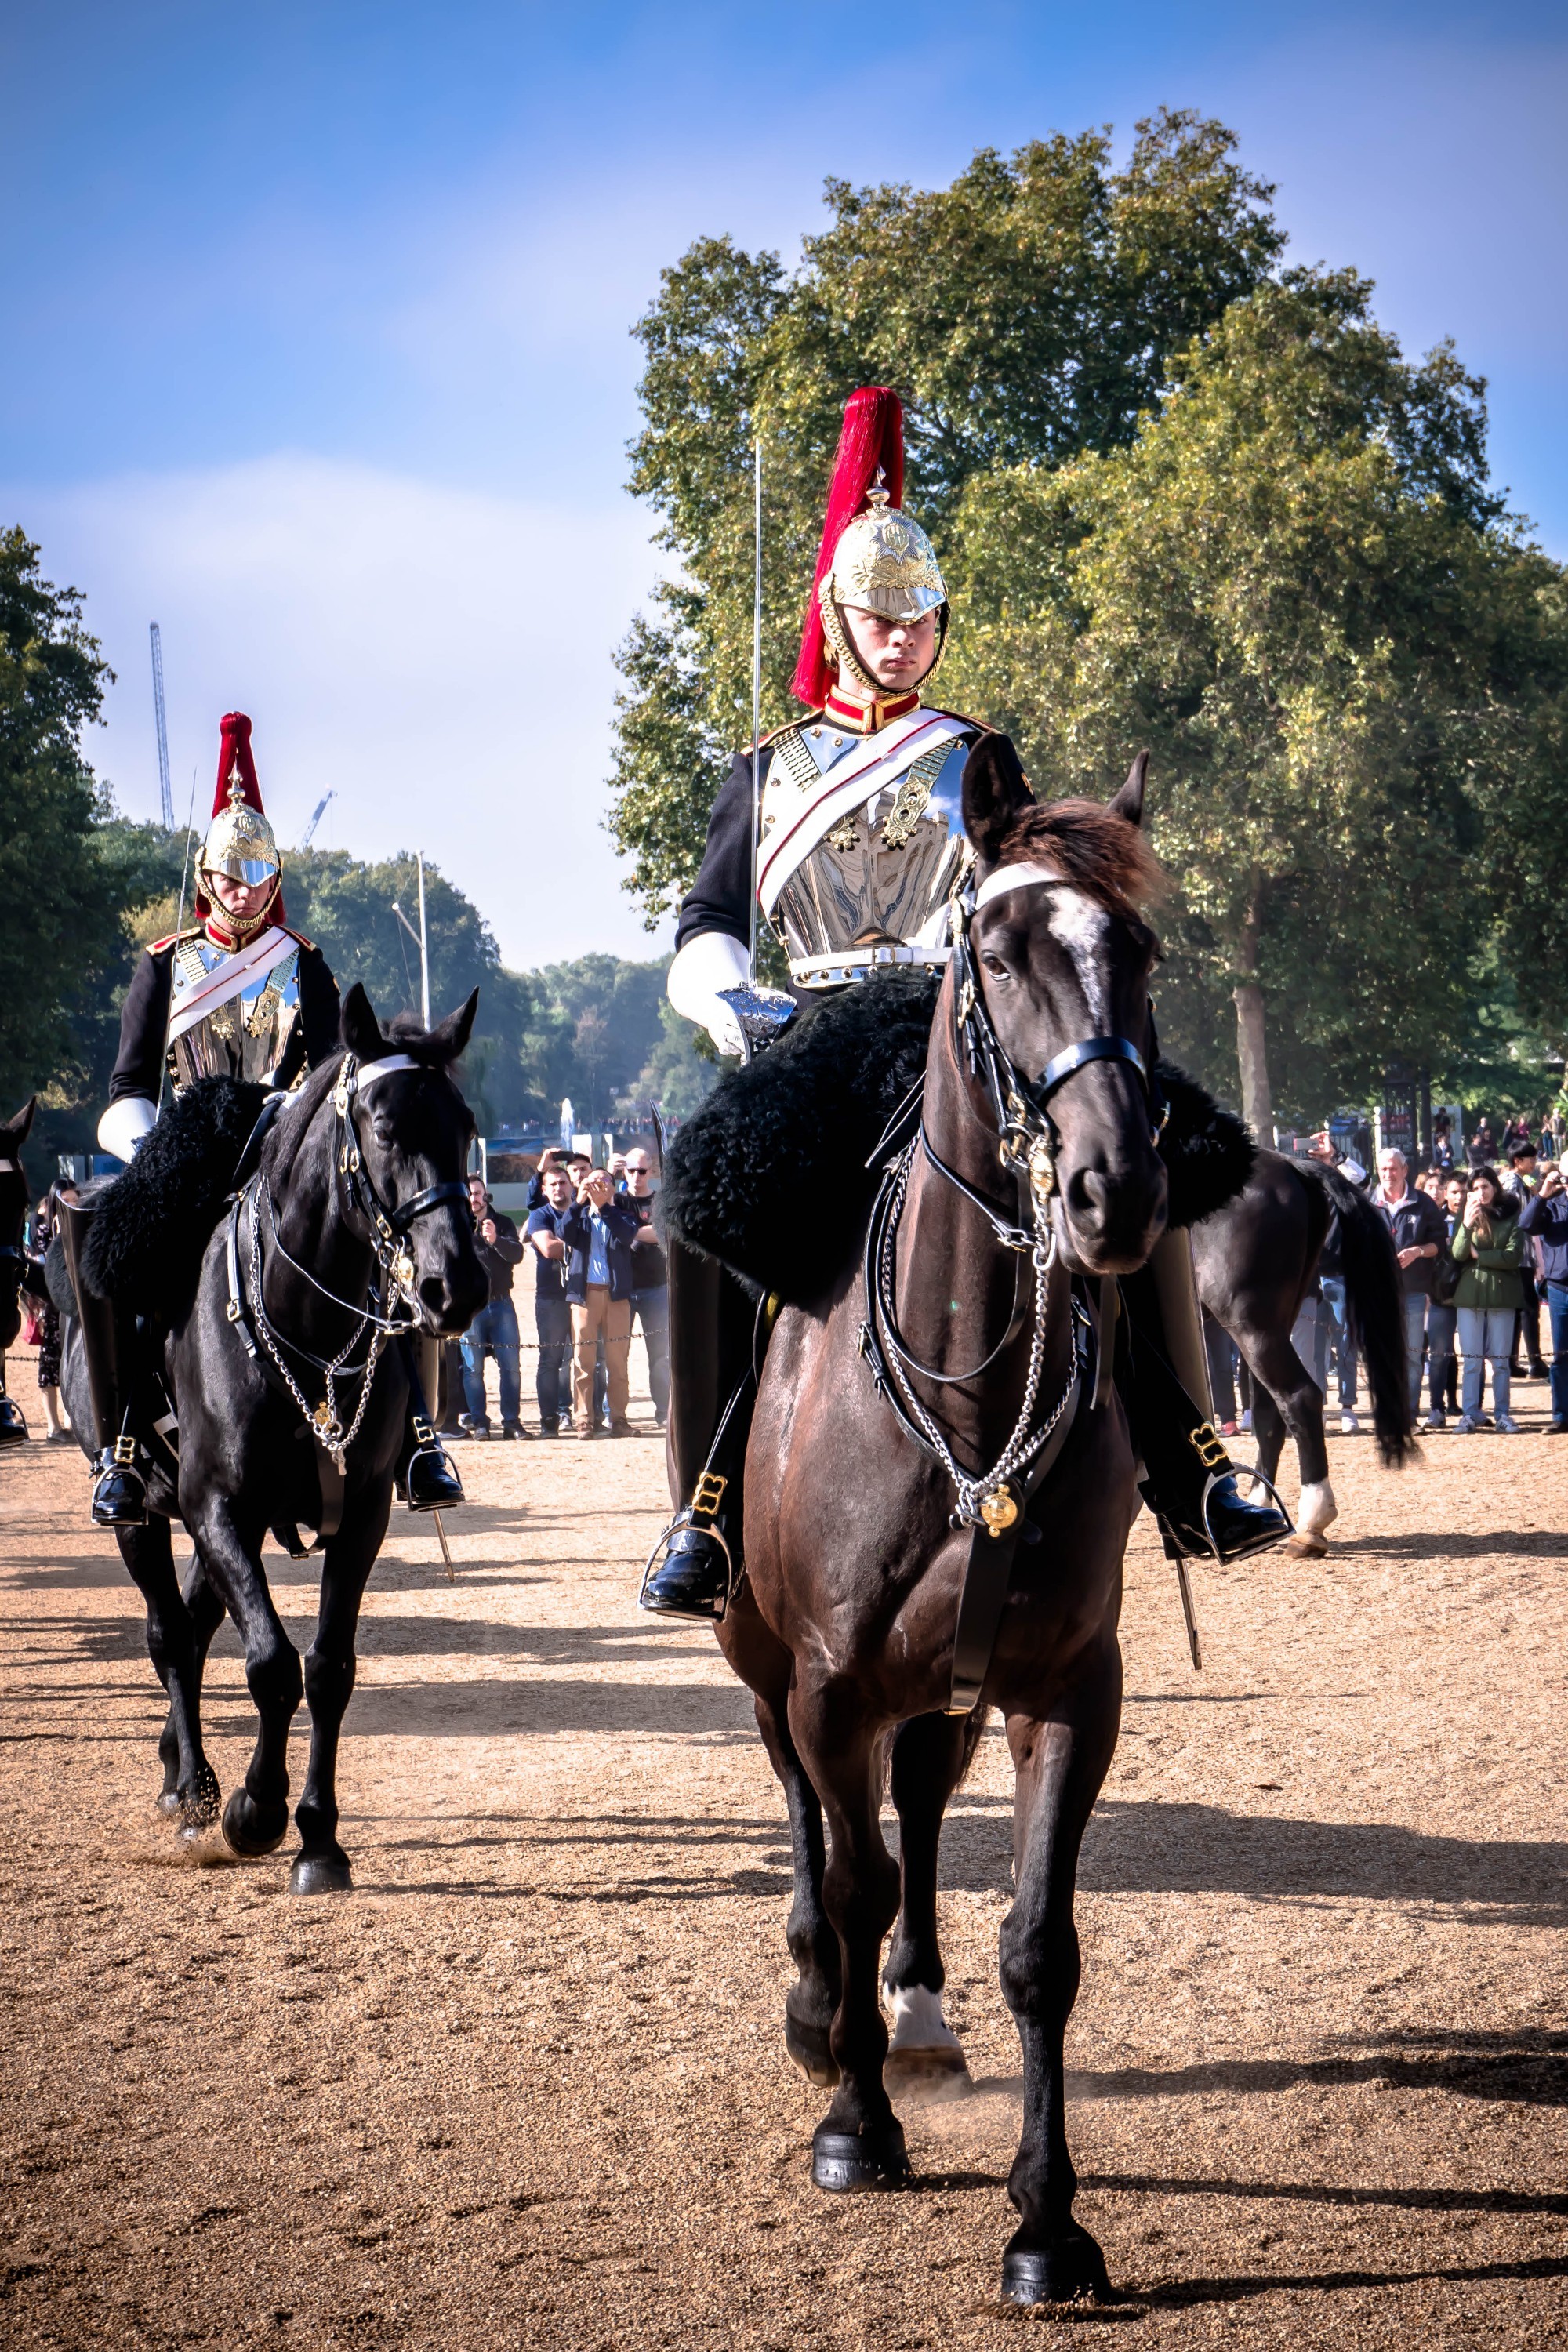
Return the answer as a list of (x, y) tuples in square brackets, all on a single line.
[(146, 1242), (769, 1177)]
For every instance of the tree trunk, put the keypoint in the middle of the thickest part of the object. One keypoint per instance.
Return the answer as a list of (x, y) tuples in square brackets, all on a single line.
[(1252, 1053), (1251, 1038)]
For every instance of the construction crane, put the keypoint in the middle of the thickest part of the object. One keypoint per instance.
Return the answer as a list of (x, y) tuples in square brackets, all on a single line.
[(163, 784), (316, 819)]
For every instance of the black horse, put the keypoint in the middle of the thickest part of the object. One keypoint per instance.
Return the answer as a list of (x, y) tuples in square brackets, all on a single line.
[(354, 1226), (847, 1626), (1255, 1260), (14, 1201)]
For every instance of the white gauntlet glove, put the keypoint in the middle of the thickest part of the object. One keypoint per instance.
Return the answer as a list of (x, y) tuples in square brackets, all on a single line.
[(711, 962), (124, 1124)]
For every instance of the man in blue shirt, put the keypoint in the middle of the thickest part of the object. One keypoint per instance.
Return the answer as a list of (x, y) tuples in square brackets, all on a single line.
[(552, 1314), (599, 1232)]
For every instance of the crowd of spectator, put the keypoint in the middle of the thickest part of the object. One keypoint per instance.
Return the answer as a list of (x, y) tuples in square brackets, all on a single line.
[(598, 1273), (1481, 1237)]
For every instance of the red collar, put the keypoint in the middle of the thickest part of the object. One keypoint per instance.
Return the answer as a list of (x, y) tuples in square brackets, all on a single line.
[(867, 717)]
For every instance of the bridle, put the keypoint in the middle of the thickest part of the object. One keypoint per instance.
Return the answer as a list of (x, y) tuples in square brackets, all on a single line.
[(384, 1226), (1028, 1144)]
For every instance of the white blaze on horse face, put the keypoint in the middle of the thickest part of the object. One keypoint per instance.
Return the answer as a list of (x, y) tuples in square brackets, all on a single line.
[(1084, 930)]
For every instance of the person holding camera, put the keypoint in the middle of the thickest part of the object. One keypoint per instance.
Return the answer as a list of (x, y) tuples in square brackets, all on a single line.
[(650, 1277), (599, 1233), (1543, 1220), (1489, 1247), (493, 1330)]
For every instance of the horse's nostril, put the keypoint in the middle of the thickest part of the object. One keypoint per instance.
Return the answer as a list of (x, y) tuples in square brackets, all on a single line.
[(1088, 1198)]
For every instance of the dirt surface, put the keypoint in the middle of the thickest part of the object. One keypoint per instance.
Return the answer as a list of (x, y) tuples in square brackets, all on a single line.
[(527, 2085)]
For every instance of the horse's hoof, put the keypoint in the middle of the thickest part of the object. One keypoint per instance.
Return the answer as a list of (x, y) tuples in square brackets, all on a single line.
[(168, 1804), (809, 2046), (321, 1874), (1066, 2269), (1303, 1545), (841, 2159), (925, 2077), (202, 1846), (248, 1826)]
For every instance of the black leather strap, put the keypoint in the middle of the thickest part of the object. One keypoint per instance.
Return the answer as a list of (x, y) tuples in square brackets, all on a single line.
[(989, 1571), (1089, 1049)]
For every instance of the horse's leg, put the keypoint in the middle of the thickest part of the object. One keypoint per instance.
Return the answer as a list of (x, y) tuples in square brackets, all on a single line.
[(1300, 1402), (206, 1611), (859, 2143), (190, 1792), (931, 1755), (321, 1866), (256, 1817), (1060, 1764), (761, 1660)]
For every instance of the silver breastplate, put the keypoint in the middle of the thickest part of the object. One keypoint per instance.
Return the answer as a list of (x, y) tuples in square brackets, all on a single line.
[(231, 1016), (873, 888)]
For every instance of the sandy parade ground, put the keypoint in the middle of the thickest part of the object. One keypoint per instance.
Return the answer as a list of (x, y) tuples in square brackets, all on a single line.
[(526, 2086)]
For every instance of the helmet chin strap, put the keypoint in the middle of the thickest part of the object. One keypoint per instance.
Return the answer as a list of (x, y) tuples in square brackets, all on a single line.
[(836, 631), (240, 928)]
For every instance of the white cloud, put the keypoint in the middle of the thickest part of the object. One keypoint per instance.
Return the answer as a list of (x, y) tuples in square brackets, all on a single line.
[(439, 659)]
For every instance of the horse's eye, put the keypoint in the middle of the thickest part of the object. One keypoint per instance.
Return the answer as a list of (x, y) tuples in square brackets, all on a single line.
[(995, 967), (383, 1134)]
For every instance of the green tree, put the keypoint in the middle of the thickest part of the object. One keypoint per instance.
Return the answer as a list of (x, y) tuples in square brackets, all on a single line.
[(60, 911), (1295, 585), (1024, 314)]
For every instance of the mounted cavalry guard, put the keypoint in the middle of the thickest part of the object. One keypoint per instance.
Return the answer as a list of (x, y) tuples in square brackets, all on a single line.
[(237, 995), (851, 837)]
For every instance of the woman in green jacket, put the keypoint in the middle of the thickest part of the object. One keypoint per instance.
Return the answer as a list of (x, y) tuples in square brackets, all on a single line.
[(1489, 1249)]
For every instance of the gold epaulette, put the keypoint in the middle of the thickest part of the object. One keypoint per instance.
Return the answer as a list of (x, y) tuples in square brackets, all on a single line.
[(298, 936), (174, 939)]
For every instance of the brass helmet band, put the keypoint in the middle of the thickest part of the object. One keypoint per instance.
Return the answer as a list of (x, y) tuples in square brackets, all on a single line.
[(241, 845)]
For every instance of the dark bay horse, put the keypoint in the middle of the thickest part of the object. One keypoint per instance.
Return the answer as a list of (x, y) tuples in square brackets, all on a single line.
[(845, 1626), (355, 1225), (1255, 1260), (13, 1203)]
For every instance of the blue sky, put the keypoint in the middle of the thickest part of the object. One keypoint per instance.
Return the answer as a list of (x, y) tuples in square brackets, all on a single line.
[(321, 320)]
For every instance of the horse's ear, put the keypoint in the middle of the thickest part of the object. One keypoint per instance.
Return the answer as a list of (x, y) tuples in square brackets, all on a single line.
[(994, 790), (450, 1037), (21, 1126), (359, 1028), (1128, 802)]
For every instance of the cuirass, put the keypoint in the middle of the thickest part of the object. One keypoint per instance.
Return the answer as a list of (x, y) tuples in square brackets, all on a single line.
[(873, 887), (231, 1014)]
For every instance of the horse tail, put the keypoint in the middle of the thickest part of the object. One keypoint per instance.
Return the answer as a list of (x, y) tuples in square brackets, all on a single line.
[(1375, 1310)]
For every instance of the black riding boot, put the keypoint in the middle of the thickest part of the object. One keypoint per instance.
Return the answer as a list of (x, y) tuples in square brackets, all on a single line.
[(1189, 1480), (428, 1479), (697, 1563), (107, 1344)]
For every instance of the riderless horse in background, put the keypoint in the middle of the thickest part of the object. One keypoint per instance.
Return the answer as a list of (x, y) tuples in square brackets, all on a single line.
[(286, 1406)]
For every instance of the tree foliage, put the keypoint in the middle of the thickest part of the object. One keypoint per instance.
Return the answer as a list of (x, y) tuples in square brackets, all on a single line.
[(1023, 314), (1184, 498)]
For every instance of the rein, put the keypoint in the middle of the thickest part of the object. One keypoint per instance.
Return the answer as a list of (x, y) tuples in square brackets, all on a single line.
[(992, 1503), (384, 1230)]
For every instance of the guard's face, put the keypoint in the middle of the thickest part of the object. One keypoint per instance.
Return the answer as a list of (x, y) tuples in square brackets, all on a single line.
[(244, 899), (896, 654)]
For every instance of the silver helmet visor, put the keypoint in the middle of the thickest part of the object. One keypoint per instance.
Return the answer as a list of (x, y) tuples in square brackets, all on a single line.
[(252, 871)]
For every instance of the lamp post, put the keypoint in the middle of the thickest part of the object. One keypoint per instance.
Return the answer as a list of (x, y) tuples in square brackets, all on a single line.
[(419, 941)]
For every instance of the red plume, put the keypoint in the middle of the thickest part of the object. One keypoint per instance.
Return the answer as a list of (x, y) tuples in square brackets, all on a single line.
[(872, 438), (234, 744)]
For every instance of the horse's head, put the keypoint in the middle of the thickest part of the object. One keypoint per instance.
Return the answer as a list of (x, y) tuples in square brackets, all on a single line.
[(1061, 960), (412, 1129)]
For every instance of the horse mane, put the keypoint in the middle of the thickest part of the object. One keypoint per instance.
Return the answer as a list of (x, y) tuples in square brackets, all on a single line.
[(1100, 854)]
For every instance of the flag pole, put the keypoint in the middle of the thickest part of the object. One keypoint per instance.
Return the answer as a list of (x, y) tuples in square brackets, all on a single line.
[(756, 699)]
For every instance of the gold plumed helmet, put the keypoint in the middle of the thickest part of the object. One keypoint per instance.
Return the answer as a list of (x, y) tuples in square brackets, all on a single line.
[(873, 555), (240, 843)]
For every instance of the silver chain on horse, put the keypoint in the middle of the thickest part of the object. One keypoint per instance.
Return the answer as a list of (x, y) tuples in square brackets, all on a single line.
[(322, 1419), (989, 1486)]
